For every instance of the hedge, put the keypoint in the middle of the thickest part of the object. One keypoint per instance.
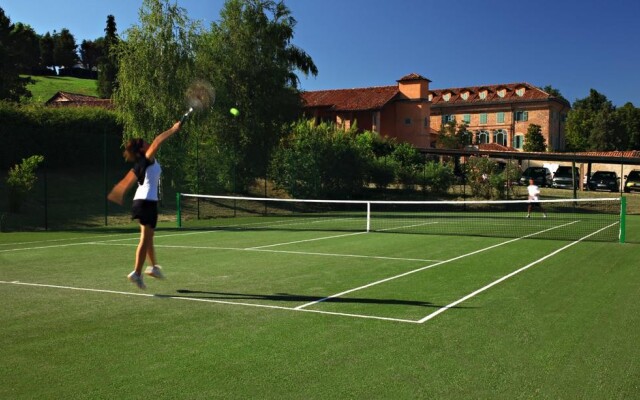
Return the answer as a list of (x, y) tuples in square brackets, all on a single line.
[(65, 136)]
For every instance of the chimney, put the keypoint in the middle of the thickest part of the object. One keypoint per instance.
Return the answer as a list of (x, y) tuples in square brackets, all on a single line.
[(414, 86)]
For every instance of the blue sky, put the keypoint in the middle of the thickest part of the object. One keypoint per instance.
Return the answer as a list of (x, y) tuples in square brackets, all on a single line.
[(572, 45)]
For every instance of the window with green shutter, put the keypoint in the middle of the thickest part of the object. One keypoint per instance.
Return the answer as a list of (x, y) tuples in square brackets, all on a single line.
[(483, 118), (500, 117), (521, 116), (518, 141)]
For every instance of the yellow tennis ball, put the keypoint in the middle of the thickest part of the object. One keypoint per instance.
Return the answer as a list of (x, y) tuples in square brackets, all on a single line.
[(234, 111)]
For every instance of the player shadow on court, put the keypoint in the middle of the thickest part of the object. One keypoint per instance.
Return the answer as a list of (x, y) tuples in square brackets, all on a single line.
[(195, 294)]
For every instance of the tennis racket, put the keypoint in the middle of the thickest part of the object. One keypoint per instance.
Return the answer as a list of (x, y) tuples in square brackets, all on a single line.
[(199, 97)]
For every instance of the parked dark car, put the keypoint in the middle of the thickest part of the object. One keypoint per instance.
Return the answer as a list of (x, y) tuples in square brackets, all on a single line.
[(541, 176), (564, 178), (604, 180), (632, 181)]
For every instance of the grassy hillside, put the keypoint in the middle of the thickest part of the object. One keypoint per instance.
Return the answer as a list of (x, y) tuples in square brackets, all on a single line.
[(46, 86)]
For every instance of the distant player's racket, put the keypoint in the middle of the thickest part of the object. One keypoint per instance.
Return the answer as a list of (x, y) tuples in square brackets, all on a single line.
[(200, 96)]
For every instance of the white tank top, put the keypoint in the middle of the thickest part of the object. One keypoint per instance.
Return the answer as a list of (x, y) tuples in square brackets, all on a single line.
[(149, 188)]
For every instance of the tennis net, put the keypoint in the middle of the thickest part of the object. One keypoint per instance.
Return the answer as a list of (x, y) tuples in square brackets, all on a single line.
[(600, 219)]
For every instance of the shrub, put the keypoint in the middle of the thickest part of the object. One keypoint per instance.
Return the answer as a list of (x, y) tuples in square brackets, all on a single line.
[(438, 178), (321, 161), (479, 171), (20, 181), (382, 172)]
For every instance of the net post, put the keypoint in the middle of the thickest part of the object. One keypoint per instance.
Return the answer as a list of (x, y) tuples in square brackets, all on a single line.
[(623, 218), (368, 216), (178, 211)]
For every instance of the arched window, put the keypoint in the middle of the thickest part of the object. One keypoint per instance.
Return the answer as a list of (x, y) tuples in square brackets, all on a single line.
[(467, 138), (500, 137), (482, 137)]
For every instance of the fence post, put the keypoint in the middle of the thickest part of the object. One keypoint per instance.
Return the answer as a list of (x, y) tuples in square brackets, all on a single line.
[(178, 211), (104, 166), (623, 218)]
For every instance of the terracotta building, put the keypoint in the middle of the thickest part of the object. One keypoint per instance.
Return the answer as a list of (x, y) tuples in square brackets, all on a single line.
[(412, 112)]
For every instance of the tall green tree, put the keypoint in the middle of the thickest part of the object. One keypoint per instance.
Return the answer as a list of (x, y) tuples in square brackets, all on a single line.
[(577, 130), (534, 140), (553, 92), (108, 60), (155, 68), (46, 51), (12, 86), (91, 51), (27, 48), (595, 102), (250, 58), (628, 118), (594, 124), (64, 50)]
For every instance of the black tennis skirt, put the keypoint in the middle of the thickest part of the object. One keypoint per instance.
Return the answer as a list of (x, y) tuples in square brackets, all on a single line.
[(146, 211)]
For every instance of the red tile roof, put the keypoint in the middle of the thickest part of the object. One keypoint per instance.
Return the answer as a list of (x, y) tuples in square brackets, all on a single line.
[(372, 98), (530, 93), (376, 97), (494, 147), (61, 99), (628, 153)]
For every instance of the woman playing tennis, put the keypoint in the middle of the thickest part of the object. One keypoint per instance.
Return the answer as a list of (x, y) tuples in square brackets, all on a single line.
[(146, 172)]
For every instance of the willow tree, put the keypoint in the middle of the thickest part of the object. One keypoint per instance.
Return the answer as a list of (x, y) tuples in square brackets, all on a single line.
[(250, 58), (155, 67)]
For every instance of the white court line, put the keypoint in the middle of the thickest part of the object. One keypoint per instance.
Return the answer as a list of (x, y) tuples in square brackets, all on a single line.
[(428, 266), (405, 227), (137, 237), (470, 295), (207, 301), (44, 247), (303, 241), (304, 253), (64, 239), (346, 255)]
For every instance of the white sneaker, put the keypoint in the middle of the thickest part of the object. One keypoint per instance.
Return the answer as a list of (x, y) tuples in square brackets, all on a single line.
[(137, 280), (154, 271)]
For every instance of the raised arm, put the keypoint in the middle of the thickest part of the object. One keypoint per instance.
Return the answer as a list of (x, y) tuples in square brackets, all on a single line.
[(155, 145)]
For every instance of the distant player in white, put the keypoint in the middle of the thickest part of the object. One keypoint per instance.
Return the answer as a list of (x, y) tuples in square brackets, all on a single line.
[(534, 193)]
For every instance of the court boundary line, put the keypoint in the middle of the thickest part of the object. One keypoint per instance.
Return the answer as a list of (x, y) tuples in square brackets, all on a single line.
[(312, 303), (171, 246), (136, 237), (305, 240), (64, 239), (504, 278), (162, 296)]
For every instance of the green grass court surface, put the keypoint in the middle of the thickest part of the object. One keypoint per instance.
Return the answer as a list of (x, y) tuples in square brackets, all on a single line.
[(319, 314)]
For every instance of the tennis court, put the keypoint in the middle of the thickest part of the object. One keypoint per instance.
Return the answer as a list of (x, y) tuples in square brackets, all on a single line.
[(298, 309)]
